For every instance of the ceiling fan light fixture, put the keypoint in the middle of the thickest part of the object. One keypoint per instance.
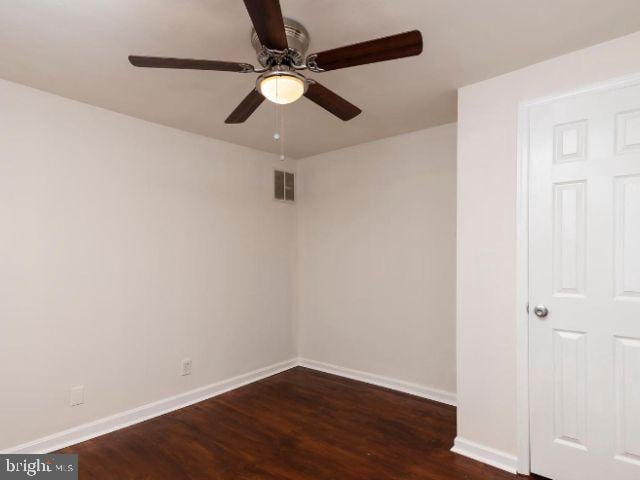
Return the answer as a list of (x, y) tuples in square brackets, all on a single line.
[(282, 87)]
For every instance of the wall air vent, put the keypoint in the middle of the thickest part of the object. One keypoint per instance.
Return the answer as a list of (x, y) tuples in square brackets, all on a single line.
[(284, 186)]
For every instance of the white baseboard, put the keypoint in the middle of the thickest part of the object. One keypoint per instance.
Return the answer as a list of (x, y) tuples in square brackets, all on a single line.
[(391, 383), (109, 424), (490, 456), (94, 429)]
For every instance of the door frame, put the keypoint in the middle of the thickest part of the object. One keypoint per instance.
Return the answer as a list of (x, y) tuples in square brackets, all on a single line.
[(522, 254)]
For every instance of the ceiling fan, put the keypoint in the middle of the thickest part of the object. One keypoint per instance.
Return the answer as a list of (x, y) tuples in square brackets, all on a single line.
[(281, 45)]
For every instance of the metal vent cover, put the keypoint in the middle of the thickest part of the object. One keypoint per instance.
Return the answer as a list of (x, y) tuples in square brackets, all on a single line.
[(284, 186)]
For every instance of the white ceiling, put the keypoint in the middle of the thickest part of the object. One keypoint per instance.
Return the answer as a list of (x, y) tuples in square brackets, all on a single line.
[(79, 48)]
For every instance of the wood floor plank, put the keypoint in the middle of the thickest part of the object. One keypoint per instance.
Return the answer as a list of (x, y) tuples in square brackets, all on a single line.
[(297, 425)]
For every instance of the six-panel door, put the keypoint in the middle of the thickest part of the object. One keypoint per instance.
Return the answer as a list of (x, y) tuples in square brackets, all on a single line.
[(585, 268)]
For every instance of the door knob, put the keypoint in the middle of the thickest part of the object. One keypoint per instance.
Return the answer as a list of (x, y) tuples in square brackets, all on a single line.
[(541, 311)]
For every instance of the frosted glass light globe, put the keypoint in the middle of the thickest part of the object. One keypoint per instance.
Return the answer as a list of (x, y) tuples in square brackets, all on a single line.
[(282, 88)]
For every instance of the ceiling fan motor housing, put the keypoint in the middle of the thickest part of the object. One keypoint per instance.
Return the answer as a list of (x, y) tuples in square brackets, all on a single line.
[(297, 40)]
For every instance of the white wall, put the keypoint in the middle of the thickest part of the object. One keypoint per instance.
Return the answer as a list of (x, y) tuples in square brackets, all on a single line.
[(376, 230), (124, 247), (487, 137)]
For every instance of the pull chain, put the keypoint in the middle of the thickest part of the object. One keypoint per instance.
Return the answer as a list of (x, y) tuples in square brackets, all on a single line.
[(278, 136), (282, 137)]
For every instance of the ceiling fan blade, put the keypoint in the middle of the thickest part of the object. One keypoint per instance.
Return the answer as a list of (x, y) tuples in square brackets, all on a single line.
[(266, 16), (189, 64), (249, 105), (331, 102), (387, 48)]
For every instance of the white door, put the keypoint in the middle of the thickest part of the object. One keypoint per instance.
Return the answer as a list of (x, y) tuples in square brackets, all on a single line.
[(585, 269)]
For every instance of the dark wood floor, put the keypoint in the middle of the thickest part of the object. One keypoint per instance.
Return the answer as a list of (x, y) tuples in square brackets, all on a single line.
[(300, 424)]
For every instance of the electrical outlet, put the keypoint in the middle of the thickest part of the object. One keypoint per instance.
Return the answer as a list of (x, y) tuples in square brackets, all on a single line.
[(186, 367), (77, 396)]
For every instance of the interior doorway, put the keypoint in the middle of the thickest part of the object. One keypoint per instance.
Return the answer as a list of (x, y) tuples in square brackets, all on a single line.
[(579, 343)]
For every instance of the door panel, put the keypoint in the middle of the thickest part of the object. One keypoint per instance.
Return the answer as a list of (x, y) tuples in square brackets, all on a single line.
[(585, 268), (627, 237), (569, 260), (570, 352), (628, 399)]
